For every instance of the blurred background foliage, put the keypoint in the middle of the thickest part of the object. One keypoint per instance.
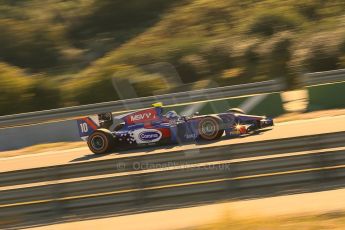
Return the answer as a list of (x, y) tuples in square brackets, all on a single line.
[(67, 52)]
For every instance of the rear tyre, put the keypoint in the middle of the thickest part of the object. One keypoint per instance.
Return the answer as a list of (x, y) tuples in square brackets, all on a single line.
[(210, 128), (100, 141)]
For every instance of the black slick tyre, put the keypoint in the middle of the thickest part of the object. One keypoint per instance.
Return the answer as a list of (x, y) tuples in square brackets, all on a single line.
[(100, 141)]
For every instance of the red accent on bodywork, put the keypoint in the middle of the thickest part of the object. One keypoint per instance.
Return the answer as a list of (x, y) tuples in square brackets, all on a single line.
[(90, 123), (142, 116), (165, 132), (243, 129)]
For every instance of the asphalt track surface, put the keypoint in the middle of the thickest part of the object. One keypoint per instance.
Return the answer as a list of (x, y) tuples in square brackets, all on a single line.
[(70, 156)]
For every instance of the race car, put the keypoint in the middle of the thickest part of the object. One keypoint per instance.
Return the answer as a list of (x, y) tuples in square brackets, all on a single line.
[(106, 132)]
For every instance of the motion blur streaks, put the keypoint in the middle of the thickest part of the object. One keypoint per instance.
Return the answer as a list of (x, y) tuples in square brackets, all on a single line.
[(61, 53)]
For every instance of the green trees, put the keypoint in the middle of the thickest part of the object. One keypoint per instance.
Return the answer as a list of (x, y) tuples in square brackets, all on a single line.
[(270, 23), (26, 46), (61, 53), (123, 19), (21, 92), (15, 90)]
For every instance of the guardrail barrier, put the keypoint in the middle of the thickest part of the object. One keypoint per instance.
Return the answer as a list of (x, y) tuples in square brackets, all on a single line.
[(155, 181)]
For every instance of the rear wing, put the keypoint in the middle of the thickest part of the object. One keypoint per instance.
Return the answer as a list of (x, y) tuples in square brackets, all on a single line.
[(87, 125)]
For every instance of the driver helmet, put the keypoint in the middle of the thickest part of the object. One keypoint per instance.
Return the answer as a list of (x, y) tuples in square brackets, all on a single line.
[(171, 115)]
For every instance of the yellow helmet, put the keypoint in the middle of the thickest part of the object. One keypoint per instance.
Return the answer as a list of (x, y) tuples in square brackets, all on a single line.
[(157, 104)]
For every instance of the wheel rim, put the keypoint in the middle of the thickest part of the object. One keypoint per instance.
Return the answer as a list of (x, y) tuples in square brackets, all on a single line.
[(97, 142), (208, 128)]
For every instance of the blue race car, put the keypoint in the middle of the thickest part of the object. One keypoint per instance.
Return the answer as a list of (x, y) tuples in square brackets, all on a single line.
[(106, 132)]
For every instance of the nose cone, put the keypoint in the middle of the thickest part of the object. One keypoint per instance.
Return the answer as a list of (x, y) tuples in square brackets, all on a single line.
[(267, 122)]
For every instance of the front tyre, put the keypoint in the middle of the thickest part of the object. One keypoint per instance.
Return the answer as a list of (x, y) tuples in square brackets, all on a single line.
[(210, 128), (100, 141)]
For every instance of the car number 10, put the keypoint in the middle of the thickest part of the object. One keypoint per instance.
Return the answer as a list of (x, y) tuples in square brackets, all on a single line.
[(84, 128)]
